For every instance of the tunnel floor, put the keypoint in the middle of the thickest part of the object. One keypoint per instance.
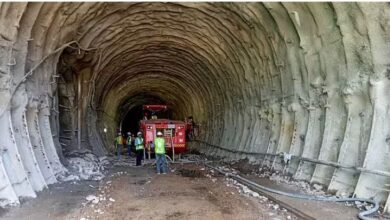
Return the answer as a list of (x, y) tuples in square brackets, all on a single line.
[(189, 192)]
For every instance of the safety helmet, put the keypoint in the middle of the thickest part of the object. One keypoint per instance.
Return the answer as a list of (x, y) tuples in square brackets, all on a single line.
[(119, 133), (129, 133), (159, 133), (139, 133)]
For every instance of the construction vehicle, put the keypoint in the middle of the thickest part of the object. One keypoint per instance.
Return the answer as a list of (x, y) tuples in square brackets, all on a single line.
[(173, 131)]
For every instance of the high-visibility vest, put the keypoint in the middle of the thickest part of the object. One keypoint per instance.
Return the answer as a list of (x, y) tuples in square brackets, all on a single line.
[(139, 143), (159, 146), (128, 140), (119, 140)]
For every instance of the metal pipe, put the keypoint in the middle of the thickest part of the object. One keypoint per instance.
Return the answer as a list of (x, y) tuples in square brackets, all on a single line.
[(362, 215), (80, 102), (173, 147), (149, 153), (326, 163)]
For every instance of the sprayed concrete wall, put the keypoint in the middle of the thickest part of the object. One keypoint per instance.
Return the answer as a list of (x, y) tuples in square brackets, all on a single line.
[(311, 80)]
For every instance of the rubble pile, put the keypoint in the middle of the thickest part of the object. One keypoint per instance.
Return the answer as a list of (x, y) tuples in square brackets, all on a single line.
[(301, 186), (125, 162), (246, 191), (242, 189), (314, 189), (84, 165), (280, 178)]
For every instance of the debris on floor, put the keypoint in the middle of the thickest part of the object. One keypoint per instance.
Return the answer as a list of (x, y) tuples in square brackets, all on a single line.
[(129, 162), (194, 173), (303, 186), (283, 181), (278, 178), (138, 190), (124, 162), (84, 165), (242, 189), (93, 199), (190, 189)]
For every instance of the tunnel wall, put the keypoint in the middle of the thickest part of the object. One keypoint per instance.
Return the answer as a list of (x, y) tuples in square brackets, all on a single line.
[(307, 79)]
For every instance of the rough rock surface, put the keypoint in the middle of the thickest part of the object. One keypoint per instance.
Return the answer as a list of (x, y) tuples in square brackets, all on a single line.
[(84, 165), (308, 79)]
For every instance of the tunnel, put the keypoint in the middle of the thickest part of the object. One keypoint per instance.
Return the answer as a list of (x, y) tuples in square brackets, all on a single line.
[(264, 79)]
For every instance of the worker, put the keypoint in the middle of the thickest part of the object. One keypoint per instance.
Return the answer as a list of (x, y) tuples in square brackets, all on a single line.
[(128, 143), (119, 144), (149, 148), (190, 128), (159, 150), (139, 148), (132, 142)]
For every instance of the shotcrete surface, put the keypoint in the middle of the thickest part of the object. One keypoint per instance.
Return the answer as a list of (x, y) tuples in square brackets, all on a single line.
[(310, 80)]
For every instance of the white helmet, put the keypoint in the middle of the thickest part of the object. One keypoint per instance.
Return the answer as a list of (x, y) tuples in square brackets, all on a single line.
[(159, 133), (139, 133), (129, 133)]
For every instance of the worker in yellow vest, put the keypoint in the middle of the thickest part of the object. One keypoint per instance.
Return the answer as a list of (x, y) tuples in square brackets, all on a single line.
[(128, 143), (119, 144), (139, 148), (159, 150)]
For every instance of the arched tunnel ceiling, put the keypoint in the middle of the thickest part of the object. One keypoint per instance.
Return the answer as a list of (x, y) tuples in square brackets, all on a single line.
[(306, 79)]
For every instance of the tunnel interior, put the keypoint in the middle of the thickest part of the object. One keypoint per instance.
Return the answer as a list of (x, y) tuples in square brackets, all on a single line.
[(130, 122), (310, 80), (133, 112)]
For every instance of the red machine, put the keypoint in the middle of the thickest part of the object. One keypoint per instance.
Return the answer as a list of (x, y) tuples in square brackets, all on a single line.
[(173, 131)]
